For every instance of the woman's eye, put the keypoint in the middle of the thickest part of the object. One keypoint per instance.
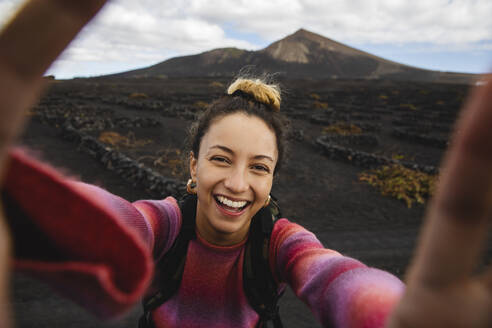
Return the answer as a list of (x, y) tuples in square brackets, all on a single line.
[(261, 168), (220, 159)]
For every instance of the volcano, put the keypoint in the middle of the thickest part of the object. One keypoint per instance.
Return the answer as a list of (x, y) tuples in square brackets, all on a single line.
[(303, 54)]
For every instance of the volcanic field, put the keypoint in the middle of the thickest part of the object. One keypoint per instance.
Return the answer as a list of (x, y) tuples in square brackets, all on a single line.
[(128, 136)]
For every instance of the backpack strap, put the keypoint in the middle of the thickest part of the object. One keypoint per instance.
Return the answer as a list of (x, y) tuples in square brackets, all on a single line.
[(260, 287), (170, 268)]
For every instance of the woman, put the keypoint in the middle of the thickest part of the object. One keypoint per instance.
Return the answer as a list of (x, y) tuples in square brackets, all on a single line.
[(441, 291)]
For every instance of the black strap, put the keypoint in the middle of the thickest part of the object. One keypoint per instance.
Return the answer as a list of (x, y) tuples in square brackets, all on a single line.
[(169, 270), (260, 287)]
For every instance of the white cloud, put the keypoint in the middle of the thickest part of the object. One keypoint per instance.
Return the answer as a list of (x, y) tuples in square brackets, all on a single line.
[(148, 31), (359, 21)]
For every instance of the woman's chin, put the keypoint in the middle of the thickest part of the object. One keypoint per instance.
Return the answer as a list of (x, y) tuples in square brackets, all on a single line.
[(227, 230)]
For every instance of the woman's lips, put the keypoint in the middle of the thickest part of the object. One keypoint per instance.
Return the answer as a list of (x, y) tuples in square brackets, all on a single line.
[(229, 211)]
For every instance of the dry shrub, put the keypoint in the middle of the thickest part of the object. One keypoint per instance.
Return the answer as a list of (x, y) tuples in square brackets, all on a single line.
[(401, 183), (138, 95), (342, 128), (115, 139), (397, 157), (314, 96), (170, 159), (409, 106), (320, 105), (200, 104), (216, 84)]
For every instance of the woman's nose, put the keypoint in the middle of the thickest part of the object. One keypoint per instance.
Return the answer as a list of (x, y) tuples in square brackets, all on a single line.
[(237, 181)]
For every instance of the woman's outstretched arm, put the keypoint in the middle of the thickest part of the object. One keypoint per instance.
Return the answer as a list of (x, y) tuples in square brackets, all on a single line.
[(29, 43)]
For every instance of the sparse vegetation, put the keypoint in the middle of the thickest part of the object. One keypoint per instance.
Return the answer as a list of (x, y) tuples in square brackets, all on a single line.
[(397, 157), (200, 104), (216, 84), (314, 96), (170, 159), (409, 106), (401, 183), (115, 139), (138, 95), (342, 128), (320, 105), (383, 97)]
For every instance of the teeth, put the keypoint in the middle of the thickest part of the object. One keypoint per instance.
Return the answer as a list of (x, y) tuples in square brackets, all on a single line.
[(231, 203)]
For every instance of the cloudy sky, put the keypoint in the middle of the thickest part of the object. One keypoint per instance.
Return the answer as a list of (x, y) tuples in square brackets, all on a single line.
[(447, 35)]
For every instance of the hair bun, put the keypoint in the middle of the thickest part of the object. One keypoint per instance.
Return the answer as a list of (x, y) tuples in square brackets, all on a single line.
[(268, 94)]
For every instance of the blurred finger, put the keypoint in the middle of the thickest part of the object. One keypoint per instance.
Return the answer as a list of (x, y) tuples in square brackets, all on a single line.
[(29, 43), (5, 249), (457, 219), (40, 31), (486, 278)]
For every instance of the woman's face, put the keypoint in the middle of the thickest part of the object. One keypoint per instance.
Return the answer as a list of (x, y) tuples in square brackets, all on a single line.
[(234, 174)]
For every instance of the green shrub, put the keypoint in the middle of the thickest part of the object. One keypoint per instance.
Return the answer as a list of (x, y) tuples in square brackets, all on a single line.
[(342, 128), (115, 139), (320, 105), (409, 106), (401, 183)]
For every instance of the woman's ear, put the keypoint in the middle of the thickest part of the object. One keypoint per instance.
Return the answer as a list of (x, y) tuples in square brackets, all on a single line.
[(193, 163)]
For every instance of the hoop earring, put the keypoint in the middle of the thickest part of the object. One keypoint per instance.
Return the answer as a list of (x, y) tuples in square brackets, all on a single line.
[(191, 187), (267, 202)]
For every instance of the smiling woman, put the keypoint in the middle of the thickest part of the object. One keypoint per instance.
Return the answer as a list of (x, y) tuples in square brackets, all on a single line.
[(237, 145), (103, 251), (234, 175)]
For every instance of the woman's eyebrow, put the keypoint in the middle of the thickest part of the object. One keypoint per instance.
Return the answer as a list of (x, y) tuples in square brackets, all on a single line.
[(223, 148), (230, 151), (263, 157)]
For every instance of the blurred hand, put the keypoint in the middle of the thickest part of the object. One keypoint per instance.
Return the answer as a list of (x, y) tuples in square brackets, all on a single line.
[(29, 44), (443, 288)]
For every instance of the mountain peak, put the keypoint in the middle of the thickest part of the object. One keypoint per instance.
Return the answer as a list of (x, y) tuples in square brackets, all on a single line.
[(305, 47), (303, 33)]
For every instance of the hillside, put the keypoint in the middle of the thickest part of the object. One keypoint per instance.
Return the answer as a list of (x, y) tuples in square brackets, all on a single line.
[(300, 55)]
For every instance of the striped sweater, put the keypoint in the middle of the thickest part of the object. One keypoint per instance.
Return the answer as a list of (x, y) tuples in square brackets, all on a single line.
[(108, 247)]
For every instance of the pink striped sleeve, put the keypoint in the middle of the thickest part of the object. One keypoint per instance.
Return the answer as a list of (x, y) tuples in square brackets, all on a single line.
[(93, 246), (164, 220), (341, 291)]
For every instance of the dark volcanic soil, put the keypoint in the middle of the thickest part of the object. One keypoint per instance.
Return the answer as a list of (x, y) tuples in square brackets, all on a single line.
[(324, 195)]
